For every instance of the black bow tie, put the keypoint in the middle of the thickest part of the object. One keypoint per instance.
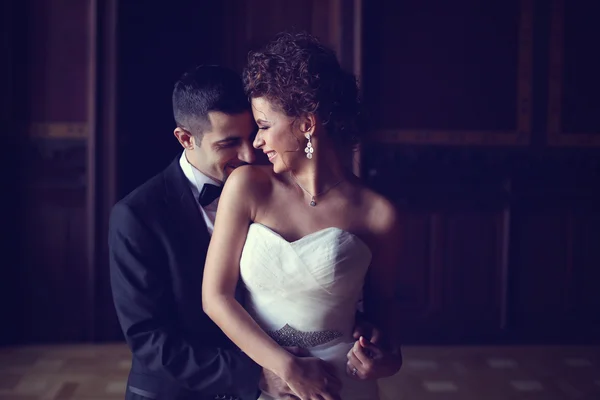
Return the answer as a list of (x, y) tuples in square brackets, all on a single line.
[(209, 193)]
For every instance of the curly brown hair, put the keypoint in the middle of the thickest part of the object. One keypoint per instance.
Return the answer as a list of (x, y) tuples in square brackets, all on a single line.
[(299, 75)]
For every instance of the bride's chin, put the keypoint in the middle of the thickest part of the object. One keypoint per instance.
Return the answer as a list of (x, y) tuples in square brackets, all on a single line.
[(280, 167), (279, 170)]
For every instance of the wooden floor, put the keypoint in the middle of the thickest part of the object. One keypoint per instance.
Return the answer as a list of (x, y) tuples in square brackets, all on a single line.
[(466, 373)]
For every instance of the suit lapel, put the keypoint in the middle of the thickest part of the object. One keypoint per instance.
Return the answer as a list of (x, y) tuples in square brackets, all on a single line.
[(188, 222)]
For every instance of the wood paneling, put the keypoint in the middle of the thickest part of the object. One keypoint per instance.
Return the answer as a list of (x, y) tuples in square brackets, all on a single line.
[(12, 111), (555, 268), (451, 73), (501, 245), (253, 23), (555, 290), (450, 277), (574, 83), (59, 60), (472, 260), (497, 247), (584, 256), (56, 298), (419, 298), (541, 274), (55, 265), (452, 287)]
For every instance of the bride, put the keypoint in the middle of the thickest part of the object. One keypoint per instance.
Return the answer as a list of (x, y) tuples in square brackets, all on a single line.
[(305, 237)]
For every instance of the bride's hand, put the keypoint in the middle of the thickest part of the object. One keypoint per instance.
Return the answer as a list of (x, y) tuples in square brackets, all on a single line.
[(311, 378)]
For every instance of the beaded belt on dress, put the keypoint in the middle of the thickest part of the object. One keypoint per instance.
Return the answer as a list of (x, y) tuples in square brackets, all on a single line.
[(289, 337)]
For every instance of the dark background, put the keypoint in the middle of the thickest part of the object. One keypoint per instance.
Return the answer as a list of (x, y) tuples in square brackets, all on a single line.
[(482, 126)]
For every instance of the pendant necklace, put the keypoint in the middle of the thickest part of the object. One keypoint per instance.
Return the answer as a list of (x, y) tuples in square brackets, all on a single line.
[(313, 201)]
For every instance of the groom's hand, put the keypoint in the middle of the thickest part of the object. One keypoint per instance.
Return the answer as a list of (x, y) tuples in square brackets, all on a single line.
[(367, 361), (276, 387), (367, 330)]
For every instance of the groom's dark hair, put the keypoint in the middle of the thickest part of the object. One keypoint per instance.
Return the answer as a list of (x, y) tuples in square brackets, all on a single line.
[(204, 89)]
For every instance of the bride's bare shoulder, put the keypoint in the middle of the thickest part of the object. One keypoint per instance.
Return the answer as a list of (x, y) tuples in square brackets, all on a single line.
[(250, 180), (381, 213)]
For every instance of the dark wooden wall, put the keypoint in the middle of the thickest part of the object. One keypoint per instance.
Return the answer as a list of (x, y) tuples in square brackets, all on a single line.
[(485, 132), (45, 271), (482, 126)]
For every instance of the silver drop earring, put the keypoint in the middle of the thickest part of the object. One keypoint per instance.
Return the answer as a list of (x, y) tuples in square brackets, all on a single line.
[(309, 150)]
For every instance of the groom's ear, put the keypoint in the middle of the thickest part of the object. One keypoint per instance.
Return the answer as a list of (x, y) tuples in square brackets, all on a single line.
[(184, 138)]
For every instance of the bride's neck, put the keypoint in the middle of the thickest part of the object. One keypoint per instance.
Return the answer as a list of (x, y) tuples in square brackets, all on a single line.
[(321, 172)]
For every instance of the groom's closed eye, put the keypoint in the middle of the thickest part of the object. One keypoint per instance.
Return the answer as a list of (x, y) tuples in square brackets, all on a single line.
[(228, 143)]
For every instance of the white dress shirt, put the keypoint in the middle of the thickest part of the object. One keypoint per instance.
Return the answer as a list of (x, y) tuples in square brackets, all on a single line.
[(197, 180)]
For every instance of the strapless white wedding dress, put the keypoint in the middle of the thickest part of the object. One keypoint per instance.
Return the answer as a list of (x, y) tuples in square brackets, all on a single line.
[(304, 293)]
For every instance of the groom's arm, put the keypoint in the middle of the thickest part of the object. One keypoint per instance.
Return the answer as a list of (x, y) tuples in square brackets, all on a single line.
[(145, 308)]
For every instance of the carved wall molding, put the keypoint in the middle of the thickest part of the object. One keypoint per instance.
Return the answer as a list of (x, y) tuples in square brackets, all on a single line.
[(556, 135), (519, 137), (452, 137), (58, 130)]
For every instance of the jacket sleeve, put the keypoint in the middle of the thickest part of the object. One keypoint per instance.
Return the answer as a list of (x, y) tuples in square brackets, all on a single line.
[(145, 308)]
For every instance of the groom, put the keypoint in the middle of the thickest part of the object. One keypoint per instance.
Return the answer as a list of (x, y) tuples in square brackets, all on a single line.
[(158, 238)]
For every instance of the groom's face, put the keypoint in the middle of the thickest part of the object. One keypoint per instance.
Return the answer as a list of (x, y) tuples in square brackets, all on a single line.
[(226, 146)]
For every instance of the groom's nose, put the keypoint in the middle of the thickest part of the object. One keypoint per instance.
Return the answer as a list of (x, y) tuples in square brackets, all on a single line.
[(246, 153)]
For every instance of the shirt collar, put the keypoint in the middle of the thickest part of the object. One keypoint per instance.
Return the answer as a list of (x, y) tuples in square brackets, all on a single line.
[(196, 178)]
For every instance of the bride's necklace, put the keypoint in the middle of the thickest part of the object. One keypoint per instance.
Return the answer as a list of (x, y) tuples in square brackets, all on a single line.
[(313, 197)]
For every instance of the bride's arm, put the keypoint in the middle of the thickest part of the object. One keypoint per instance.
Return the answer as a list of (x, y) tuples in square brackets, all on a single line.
[(221, 274), (307, 377)]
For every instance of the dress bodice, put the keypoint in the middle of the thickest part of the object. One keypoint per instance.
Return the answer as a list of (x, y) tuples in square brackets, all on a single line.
[(305, 293)]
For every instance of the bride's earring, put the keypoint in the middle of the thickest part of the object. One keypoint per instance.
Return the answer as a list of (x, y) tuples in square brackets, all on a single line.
[(309, 150)]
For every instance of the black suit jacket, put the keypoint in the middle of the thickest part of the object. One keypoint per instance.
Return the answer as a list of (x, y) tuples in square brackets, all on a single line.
[(158, 242)]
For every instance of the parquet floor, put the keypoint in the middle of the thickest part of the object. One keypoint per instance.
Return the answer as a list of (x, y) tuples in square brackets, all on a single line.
[(88, 372)]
